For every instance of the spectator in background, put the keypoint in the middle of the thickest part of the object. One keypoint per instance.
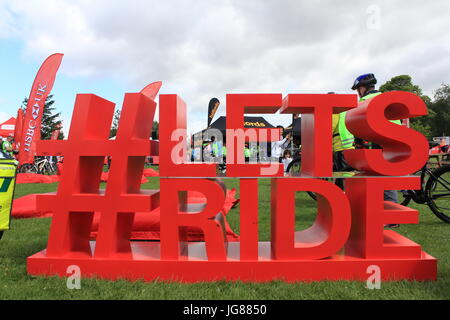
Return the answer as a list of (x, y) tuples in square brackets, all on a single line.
[(7, 148), (247, 152), (207, 151), (278, 147), (216, 149), (287, 159)]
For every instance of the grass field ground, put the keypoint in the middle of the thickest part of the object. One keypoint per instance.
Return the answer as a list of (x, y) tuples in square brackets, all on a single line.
[(29, 236)]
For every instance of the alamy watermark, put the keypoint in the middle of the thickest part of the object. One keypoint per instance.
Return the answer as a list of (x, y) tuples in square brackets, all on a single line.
[(249, 146), (74, 278), (374, 19), (374, 280)]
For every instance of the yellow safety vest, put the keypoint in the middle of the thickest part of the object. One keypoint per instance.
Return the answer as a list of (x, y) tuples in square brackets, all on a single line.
[(370, 96), (7, 183)]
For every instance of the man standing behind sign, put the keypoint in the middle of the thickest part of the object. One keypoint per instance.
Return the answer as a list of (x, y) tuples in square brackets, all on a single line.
[(365, 86), (277, 147)]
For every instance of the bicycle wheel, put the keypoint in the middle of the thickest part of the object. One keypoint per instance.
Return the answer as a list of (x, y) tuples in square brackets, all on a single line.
[(33, 169), (437, 191), (28, 168), (49, 168), (294, 167)]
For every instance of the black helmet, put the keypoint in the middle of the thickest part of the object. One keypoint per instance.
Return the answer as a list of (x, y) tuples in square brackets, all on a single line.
[(366, 80)]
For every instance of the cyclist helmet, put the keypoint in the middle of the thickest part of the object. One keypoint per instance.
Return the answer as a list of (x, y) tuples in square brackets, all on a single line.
[(366, 80)]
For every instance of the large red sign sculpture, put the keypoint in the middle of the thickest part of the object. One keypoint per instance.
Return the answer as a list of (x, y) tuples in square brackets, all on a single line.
[(346, 239)]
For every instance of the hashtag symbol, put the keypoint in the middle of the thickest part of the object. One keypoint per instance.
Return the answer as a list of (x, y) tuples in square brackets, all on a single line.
[(79, 194)]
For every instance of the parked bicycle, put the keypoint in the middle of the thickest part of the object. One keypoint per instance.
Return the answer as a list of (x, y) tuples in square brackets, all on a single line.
[(41, 165), (434, 191)]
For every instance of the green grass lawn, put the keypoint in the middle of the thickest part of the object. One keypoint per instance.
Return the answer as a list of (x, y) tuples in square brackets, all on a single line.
[(29, 236)]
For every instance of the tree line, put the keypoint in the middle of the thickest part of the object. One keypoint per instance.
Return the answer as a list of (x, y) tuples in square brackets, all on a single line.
[(437, 122)]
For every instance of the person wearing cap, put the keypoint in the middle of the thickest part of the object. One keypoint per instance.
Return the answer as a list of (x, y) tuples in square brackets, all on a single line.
[(365, 87)]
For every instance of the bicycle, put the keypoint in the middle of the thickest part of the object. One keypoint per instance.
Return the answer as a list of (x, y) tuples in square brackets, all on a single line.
[(435, 189), (41, 166), (433, 192), (28, 168), (44, 166)]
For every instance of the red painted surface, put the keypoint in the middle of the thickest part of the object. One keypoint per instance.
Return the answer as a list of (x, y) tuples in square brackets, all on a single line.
[(79, 196), (404, 150), (237, 106), (328, 233), (317, 111), (370, 213), (346, 238), (172, 138), (146, 264)]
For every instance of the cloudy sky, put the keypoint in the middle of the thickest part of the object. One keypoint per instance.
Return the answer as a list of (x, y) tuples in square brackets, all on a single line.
[(205, 49)]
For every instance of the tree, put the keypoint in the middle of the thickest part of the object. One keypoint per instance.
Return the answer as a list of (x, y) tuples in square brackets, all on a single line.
[(155, 130), (404, 83), (50, 120), (440, 106), (115, 124), (401, 83)]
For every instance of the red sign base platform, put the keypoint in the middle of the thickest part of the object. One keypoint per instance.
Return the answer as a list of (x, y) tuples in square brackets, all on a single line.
[(145, 264)]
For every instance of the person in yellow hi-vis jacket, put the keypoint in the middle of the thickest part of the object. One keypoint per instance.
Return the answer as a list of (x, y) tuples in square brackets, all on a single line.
[(365, 86), (7, 184), (342, 140)]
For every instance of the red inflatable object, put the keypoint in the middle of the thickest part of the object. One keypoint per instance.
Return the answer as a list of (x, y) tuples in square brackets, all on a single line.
[(146, 225), (59, 165), (25, 207), (149, 172), (36, 178)]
